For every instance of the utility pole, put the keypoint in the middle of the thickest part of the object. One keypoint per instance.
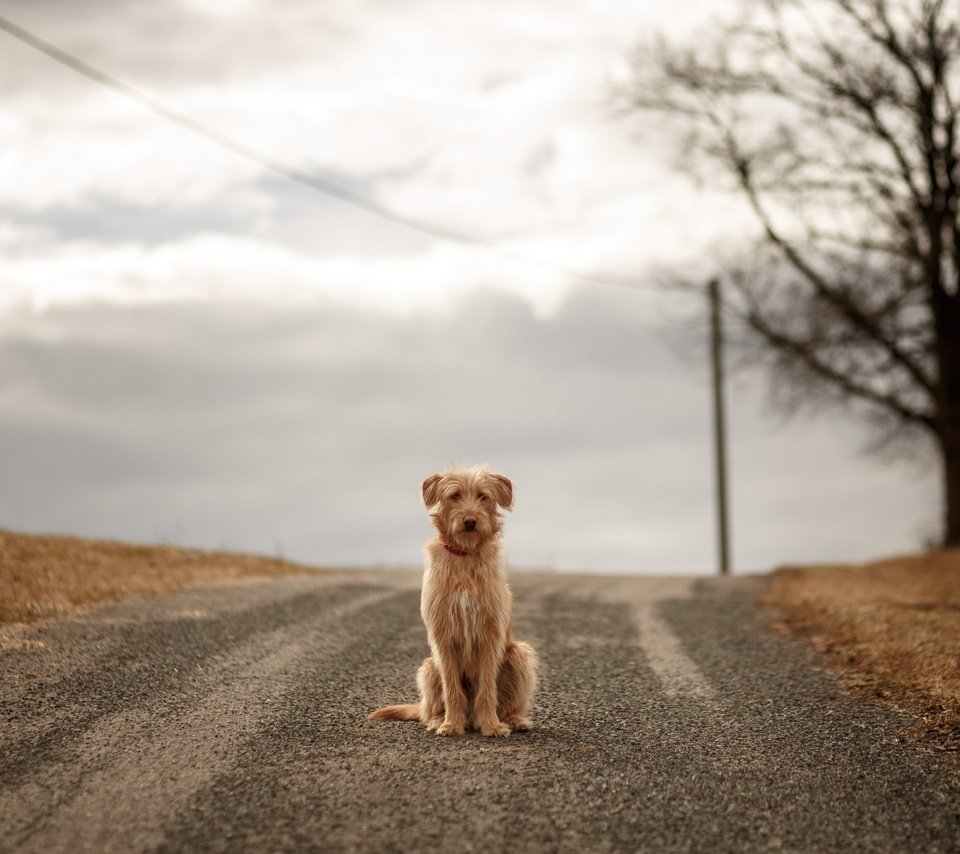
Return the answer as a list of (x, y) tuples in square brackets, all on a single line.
[(719, 427)]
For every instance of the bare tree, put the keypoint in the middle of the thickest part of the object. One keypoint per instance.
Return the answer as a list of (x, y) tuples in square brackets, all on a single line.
[(837, 121)]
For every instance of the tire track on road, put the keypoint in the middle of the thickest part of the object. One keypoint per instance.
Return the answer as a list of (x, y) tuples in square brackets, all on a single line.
[(143, 664), (133, 768), (740, 743)]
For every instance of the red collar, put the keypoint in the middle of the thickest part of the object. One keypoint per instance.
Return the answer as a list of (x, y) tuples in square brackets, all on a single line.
[(454, 550)]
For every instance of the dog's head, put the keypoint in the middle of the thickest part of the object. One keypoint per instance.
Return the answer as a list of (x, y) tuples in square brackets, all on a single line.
[(465, 504)]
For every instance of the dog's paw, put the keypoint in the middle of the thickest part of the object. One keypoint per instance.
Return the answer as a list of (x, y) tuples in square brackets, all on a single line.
[(450, 729), (519, 724), (433, 724), (497, 730)]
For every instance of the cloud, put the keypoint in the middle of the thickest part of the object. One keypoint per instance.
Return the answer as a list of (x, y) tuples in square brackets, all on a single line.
[(309, 429), (393, 98), (218, 266)]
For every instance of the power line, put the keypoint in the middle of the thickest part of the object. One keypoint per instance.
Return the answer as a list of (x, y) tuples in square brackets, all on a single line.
[(312, 182)]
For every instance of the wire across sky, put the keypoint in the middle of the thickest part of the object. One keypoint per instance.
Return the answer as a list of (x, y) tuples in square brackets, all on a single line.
[(310, 181)]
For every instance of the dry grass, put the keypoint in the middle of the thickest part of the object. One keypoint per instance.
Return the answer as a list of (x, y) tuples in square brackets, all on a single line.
[(47, 576), (891, 630)]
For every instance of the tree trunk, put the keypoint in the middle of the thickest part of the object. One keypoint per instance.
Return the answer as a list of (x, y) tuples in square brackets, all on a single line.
[(948, 417), (951, 487)]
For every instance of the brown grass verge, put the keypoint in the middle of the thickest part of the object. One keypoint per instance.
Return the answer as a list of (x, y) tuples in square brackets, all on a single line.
[(54, 576), (890, 630)]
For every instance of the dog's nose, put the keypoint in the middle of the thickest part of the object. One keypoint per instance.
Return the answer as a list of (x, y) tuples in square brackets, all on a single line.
[(470, 524)]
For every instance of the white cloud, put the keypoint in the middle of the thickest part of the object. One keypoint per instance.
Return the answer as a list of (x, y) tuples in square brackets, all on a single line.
[(213, 266), (498, 124)]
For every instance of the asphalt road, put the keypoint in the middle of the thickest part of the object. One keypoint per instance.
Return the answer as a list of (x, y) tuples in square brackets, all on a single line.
[(232, 719)]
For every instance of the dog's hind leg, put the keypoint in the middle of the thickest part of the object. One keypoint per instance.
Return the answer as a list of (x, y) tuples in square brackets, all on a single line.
[(516, 685), (431, 694)]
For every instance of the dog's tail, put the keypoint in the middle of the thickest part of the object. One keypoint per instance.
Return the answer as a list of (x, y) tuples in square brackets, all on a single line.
[(402, 712)]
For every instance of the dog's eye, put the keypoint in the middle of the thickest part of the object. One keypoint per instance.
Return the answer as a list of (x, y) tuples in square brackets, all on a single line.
[(455, 496), (483, 497)]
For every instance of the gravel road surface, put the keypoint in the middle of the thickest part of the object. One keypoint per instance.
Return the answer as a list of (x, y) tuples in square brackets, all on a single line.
[(232, 719)]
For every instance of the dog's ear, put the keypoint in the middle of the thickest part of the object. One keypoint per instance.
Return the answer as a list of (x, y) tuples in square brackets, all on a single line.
[(430, 490), (502, 490)]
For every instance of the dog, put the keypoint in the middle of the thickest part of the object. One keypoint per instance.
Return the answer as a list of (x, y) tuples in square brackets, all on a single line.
[(477, 676)]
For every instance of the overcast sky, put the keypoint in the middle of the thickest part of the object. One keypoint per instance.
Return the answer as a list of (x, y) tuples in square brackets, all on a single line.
[(195, 350)]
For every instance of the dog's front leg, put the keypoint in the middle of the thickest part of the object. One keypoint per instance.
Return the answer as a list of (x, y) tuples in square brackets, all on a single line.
[(485, 702), (454, 698)]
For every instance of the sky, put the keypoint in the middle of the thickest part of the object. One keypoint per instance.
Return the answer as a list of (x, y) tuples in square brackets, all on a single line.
[(196, 350)]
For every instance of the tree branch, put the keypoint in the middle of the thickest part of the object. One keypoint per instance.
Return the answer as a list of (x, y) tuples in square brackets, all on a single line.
[(820, 285)]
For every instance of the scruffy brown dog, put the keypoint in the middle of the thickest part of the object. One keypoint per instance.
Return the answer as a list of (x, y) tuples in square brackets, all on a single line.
[(477, 675)]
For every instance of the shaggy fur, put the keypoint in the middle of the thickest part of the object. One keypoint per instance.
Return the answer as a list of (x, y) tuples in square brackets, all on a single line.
[(477, 676)]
